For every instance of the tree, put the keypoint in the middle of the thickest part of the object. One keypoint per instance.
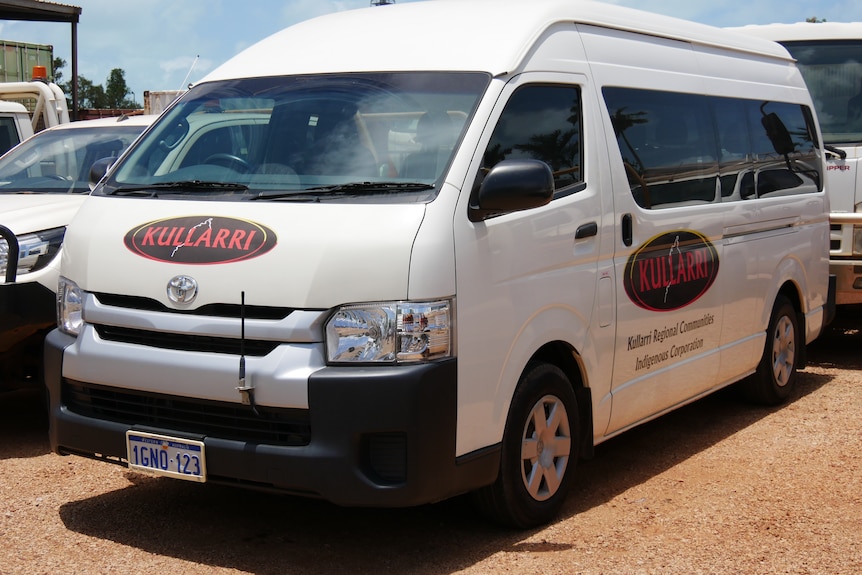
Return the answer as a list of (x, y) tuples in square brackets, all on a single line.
[(116, 89), (58, 65), (815, 20), (90, 95)]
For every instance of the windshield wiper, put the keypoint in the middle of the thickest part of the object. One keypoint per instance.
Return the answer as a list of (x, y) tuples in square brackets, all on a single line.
[(149, 190), (340, 190)]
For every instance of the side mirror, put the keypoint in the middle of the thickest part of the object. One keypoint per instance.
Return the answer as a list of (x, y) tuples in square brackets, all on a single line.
[(511, 186), (778, 134), (98, 170)]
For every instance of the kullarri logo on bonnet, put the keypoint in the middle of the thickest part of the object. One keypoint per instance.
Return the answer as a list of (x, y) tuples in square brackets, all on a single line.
[(671, 271), (200, 240)]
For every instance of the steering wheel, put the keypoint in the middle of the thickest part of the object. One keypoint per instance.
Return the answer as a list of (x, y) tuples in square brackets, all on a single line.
[(229, 161)]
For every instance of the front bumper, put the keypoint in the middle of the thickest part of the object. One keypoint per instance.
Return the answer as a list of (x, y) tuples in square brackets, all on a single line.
[(377, 436), (27, 312), (848, 275)]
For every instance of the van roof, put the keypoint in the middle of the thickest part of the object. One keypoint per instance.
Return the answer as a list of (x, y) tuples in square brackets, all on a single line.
[(459, 35), (805, 31)]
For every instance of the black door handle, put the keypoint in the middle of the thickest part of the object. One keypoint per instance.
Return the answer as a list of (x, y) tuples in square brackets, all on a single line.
[(587, 230), (627, 229)]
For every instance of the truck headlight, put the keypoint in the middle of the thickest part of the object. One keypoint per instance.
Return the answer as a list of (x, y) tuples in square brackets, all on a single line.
[(35, 250), (70, 307), (390, 332)]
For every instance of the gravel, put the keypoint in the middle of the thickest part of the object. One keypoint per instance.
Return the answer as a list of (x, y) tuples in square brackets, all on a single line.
[(718, 487)]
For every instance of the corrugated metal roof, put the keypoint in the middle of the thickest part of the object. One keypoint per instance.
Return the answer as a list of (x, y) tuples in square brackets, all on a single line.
[(38, 11)]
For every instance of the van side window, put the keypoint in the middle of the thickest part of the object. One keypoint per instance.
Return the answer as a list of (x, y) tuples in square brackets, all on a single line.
[(678, 148), (667, 141), (784, 149), (541, 122)]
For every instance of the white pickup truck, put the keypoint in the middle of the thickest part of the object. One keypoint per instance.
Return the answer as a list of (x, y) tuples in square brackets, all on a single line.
[(46, 107), (42, 183)]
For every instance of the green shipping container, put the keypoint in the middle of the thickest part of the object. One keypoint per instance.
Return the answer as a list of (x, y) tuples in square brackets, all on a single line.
[(18, 58)]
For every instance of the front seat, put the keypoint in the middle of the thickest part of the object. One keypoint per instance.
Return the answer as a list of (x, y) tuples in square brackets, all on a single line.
[(435, 133)]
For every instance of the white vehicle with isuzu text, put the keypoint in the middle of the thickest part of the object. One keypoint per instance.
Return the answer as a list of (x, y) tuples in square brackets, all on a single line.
[(42, 183), (829, 55), (444, 266)]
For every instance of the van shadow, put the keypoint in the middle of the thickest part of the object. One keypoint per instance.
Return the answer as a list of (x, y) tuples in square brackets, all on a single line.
[(839, 344), (23, 425), (651, 449), (268, 534)]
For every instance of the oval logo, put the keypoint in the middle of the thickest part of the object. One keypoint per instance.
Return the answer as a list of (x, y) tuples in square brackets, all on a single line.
[(671, 271), (200, 240)]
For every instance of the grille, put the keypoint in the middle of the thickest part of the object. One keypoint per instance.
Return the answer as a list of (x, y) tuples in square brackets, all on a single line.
[(184, 342), (289, 427), (215, 310)]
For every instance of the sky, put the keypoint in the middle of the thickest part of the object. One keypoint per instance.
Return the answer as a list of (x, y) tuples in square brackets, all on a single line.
[(166, 44)]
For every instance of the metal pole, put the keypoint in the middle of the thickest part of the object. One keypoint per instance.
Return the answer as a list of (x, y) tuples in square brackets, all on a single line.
[(74, 71)]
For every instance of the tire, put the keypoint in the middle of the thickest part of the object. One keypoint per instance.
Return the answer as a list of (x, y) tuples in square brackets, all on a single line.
[(775, 378), (539, 451)]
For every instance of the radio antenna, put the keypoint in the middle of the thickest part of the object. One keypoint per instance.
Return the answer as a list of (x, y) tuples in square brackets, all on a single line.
[(246, 391), (185, 86)]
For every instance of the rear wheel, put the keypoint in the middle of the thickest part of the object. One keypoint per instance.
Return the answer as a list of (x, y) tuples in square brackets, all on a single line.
[(776, 374), (539, 451)]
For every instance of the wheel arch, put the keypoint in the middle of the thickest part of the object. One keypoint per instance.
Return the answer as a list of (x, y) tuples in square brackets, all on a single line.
[(562, 355)]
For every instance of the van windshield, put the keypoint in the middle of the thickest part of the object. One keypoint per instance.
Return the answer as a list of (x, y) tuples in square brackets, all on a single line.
[(365, 137)]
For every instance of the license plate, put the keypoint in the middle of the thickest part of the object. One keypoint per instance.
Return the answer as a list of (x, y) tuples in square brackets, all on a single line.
[(168, 456)]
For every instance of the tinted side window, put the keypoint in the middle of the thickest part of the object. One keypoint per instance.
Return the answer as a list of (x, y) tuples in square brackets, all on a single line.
[(785, 151), (677, 148), (668, 144), (541, 122)]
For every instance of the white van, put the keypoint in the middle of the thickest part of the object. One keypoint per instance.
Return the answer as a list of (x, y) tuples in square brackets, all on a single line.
[(829, 56), (473, 240)]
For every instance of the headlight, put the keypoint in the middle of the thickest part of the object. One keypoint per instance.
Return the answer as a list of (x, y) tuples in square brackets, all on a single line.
[(35, 250), (390, 332), (70, 307)]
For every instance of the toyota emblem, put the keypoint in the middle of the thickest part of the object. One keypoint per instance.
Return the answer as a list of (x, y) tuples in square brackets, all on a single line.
[(182, 289)]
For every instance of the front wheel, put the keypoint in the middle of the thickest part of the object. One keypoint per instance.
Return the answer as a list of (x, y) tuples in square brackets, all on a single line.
[(539, 451), (775, 378)]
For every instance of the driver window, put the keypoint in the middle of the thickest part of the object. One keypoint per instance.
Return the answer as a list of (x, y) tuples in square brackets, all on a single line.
[(541, 122)]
